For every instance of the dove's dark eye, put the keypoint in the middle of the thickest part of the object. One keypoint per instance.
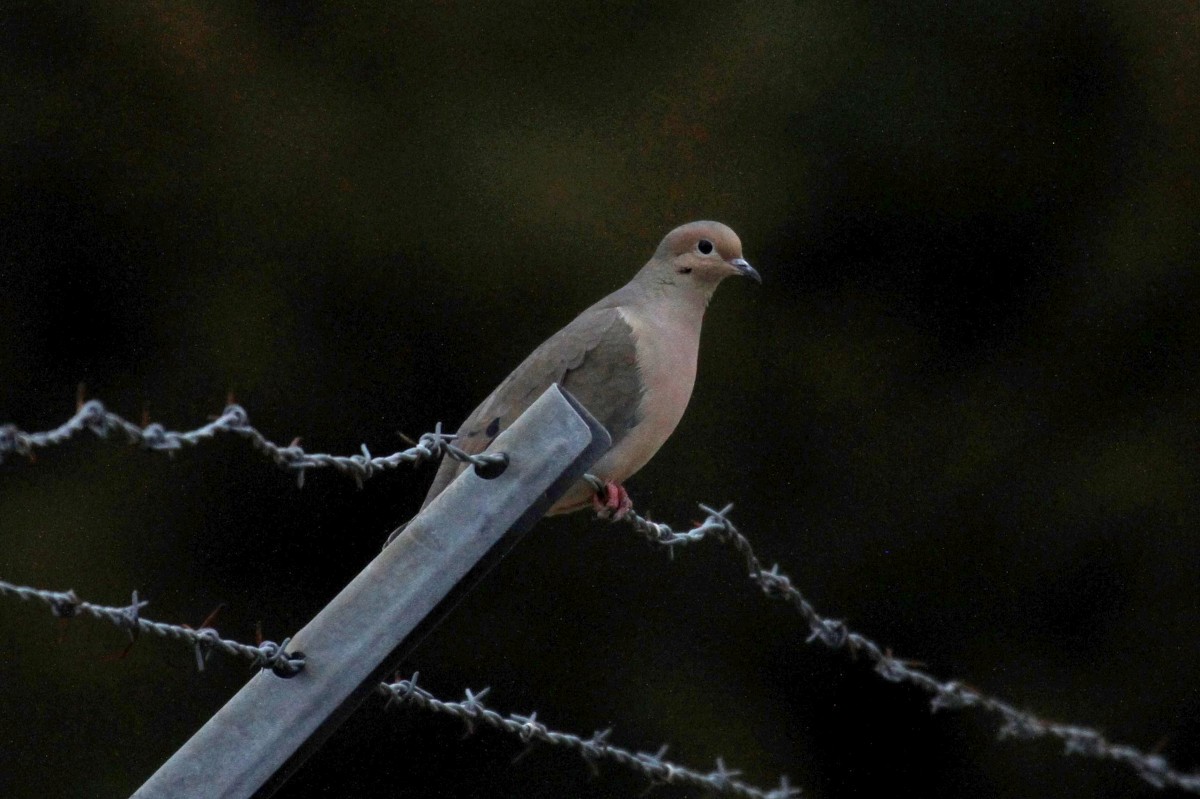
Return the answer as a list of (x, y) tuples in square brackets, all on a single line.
[(704, 246)]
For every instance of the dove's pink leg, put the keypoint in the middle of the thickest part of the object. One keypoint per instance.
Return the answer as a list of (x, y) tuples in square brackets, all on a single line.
[(612, 501)]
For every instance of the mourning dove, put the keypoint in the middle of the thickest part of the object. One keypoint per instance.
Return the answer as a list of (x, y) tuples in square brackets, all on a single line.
[(630, 359)]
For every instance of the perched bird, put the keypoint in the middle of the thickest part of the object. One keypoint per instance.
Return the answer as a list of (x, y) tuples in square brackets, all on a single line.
[(630, 360)]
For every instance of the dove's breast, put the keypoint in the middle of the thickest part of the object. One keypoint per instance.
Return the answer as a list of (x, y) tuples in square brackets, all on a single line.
[(666, 360), (666, 351)]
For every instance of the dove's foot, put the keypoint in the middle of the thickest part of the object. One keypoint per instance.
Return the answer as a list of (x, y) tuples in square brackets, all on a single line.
[(612, 501)]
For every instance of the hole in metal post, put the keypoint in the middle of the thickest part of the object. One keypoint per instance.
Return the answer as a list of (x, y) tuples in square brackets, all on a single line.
[(493, 469)]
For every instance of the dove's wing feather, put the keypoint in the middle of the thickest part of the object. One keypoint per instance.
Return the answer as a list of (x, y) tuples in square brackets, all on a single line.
[(594, 358)]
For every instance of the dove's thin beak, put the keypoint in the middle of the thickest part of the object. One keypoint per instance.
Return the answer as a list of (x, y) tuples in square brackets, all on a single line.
[(746, 270)]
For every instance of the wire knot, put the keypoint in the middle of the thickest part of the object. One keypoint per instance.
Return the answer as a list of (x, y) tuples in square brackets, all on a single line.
[(1021, 726), (831, 632), (94, 416), (11, 441), (276, 658), (154, 436), (130, 616), (472, 704), (1086, 742), (784, 791), (774, 583), (530, 727), (592, 749), (951, 696), (204, 640), (234, 417), (433, 445), (891, 669), (722, 777), (65, 605)]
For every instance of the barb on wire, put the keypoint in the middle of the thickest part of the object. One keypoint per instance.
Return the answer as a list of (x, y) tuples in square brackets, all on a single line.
[(93, 416), (949, 695), (472, 711), (67, 605)]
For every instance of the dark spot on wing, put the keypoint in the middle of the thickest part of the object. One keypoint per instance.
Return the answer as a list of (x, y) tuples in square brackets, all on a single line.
[(493, 428)]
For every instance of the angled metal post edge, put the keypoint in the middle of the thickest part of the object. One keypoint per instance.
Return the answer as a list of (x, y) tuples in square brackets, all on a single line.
[(263, 734)]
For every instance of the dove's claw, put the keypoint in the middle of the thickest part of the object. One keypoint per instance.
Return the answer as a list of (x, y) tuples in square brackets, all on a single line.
[(612, 501)]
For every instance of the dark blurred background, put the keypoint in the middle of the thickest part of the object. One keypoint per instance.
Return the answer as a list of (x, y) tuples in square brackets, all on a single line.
[(961, 413)]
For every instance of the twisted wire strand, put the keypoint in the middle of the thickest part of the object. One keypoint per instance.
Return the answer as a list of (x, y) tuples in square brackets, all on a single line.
[(94, 417), (273, 656), (946, 695), (204, 640), (653, 766)]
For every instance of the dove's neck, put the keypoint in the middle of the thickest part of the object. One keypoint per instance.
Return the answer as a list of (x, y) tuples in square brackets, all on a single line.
[(651, 296)]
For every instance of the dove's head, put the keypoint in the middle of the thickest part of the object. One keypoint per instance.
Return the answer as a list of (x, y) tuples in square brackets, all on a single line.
[(695, 257)]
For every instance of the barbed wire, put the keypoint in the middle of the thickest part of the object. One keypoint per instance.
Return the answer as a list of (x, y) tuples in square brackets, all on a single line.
[(269, 655), (833, 633), (948, 695), (93, 416), (67, 605), (651, 765)]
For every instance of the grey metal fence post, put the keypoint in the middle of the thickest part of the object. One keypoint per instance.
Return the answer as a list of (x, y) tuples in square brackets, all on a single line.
[(268, 728)]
